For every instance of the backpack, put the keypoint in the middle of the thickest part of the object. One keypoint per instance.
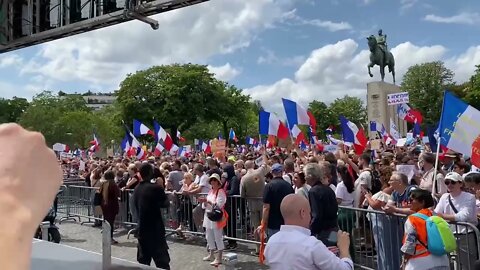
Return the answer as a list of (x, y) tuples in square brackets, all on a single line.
[(376, 183), (440, 238)]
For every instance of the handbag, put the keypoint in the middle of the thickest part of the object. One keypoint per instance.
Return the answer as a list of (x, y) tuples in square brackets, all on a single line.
[(216, 214)]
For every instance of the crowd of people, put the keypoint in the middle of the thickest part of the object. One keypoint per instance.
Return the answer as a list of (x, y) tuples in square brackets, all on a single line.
[(207, 195)]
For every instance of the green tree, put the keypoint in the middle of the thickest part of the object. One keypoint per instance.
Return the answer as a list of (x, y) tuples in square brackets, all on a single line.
[(177, 96), (323, 115), (350, 107), (472, 89), (425, 84), (12, 109)]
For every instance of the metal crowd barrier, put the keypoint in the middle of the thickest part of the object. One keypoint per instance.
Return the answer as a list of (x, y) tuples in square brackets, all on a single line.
[(376, 237)]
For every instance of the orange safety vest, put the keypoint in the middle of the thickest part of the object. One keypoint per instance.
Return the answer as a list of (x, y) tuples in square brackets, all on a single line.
[(421, 229)]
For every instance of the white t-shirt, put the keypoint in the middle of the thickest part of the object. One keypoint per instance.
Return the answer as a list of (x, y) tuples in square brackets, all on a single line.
[(342, 193), (364, 179)]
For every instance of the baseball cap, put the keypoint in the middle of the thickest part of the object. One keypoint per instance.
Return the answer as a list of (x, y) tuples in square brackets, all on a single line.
[(454, 177), (277, 167), (215, 176)]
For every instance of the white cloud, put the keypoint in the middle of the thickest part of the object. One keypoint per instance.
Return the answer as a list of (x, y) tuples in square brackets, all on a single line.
[(10, 60), (192, 34), (330, 26), (225, 72), (271, 58), (339, 69), (407, 4), (468, 18)]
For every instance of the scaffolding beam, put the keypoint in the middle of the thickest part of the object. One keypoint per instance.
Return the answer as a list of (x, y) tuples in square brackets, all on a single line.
[(140, 12)]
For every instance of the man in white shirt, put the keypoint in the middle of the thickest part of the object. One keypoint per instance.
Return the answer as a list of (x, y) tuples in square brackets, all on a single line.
[(293, 247)]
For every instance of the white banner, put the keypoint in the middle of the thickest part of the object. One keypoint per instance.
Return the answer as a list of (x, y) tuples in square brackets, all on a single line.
[(397, 98)]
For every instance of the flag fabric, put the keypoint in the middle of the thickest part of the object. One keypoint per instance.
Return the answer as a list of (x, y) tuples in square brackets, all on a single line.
[(313, 121), (269, 124), (408, 114), (394, 131), (329, 130), (140, 129), (298, 135), (95, 144), (179, 136), (296, 114), (232, 136), (270, 143), (158, 149), (376, 127), (352, 134), (174, 149), (162, 136), (206, 147), (432, 132), (250, 141), (126, 143), (185, 151), (334, 141), (459, 127), (417, 130)]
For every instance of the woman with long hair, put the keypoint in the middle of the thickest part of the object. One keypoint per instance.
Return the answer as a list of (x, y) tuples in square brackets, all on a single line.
[(110, 194), (345, 197)]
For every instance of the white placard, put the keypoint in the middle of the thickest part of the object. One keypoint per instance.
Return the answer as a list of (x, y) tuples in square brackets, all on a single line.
[(398, 98), (401, 142), (408, 170), (330, 148), (81, 167)]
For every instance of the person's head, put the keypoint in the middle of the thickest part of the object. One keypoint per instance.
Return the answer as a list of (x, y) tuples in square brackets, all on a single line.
[(313, 173), (198, 169), (212, 163), (380, 32), (327, 172), (109, 175), (461, 167), (184, 168), (426, 161), (187, 178), (146, 171), (472, 182), (176, 165), (215, 181), (289, 165), (364, 161), (299, 179), (398, 181), (277, 170), (420, 199), (249, 164), (132, 170), (295, 210), (346, 178), (454, 183)]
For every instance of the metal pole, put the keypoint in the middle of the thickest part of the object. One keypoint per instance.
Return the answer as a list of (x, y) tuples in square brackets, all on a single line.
[(44, 227), (106, 246)]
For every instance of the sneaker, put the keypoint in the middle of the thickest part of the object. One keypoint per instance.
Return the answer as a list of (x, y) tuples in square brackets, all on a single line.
[(208, 258), (215, 263)]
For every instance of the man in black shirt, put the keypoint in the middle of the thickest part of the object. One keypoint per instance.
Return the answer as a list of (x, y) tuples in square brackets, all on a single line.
[(323, 203), (148, 199), (273, 195)]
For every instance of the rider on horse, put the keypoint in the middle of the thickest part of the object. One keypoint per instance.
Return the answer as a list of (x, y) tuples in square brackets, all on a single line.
[(382, 44)]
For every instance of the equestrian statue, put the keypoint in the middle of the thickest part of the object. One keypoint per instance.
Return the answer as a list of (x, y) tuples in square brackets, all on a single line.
[(379, 55)]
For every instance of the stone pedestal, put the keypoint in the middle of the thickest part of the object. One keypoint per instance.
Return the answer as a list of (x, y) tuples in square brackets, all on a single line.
[(379, 111)]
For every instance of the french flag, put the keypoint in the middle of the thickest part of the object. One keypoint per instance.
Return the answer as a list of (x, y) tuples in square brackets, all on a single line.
[(206, 147), (140, 129), (334, 141), (352, 134), (185, 151), (269, 124), (179, 136), (408, 114), (95, 144), (296, 114), (158, 149), (270, 141), (329, 130), (459, 128), (250, 141), (174, 150), (232, 136), (298, 135), (162, 136), (126, 143)]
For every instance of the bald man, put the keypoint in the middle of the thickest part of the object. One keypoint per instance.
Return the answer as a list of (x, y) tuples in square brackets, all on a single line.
[(293, 247)]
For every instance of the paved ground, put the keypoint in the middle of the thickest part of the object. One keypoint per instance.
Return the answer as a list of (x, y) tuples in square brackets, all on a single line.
[(184, 255)]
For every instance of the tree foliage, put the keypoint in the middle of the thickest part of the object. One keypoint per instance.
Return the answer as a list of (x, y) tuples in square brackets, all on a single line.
[(425, 84), (472, 89), (350, 107), (12, 109)]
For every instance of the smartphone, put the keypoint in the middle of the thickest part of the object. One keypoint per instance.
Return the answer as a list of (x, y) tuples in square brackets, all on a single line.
[(259, 161), (332, 237)]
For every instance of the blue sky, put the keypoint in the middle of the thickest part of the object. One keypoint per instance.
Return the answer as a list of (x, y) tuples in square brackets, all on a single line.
[(299, 49)]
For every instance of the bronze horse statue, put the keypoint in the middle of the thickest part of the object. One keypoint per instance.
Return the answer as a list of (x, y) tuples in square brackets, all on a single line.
[(380, 58)]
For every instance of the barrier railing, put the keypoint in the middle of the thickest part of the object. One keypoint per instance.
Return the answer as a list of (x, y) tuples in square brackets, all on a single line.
[(376, 237)]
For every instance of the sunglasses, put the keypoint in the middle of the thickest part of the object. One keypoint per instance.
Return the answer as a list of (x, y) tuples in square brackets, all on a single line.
[(450, 182)]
